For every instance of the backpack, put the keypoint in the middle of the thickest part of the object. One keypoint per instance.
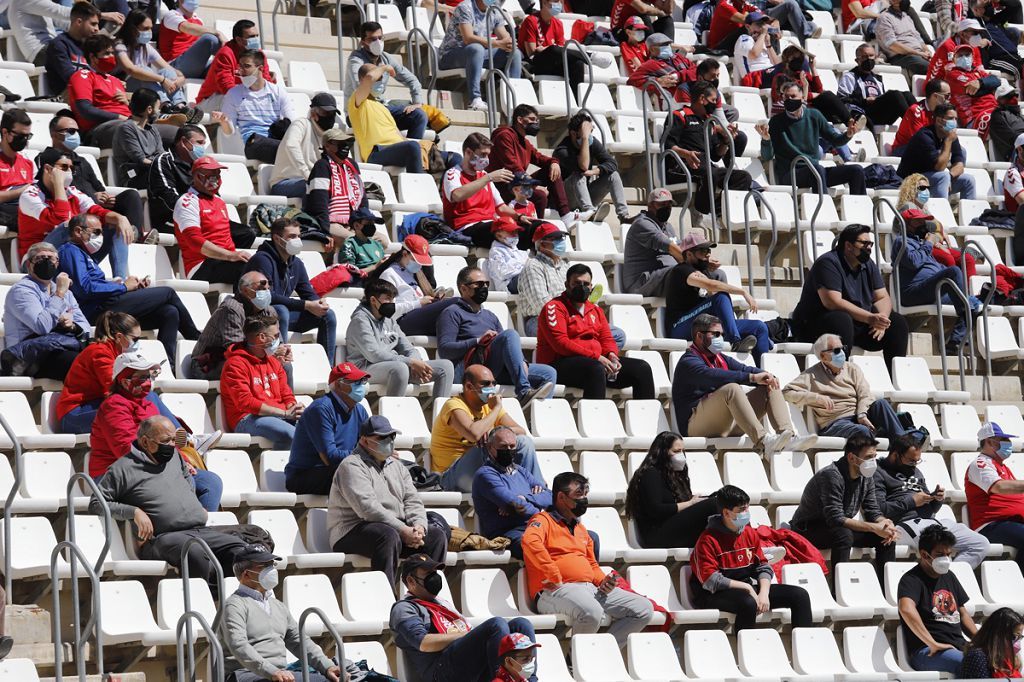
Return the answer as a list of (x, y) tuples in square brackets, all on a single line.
[(700, 16)]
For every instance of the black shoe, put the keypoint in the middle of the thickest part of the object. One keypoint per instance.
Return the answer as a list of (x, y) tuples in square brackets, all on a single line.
[(906, 420), (6, 644), (11, 365), (746, 344), (953, 349)]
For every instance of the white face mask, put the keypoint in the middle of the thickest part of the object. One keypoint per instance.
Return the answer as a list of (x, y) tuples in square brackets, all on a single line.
[(95, 243), (268, 578), (868, 467), (376, 47), (528, 669), (249, 81), (293, 246), (942, 564), (677, 460)]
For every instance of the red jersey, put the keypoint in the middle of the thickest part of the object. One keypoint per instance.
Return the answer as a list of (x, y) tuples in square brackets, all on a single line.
[(846, 15), (39, 213), (17, 173), (565, 331), (914, 118), (722, 23), (942, 60), (483, 205), (621, 11), (969, 108), (221, 76), (171, 42), (100, 90), (534, 31), (983, 505), (527, 209), (198, 219), (631, 52)]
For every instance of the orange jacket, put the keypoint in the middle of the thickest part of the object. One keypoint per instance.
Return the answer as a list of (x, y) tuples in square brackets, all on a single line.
[(555, 556)]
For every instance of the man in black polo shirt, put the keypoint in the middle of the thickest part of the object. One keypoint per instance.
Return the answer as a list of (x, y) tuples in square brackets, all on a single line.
[(843, 294), (686, 138)]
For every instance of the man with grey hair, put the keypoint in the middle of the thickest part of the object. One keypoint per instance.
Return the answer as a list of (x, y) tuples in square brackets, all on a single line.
[(258, 631), (505, 495), (840, 398), (44, 327)]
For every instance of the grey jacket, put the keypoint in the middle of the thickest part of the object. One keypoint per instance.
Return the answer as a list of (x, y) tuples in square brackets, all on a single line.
[(369, 341), (364, 490), (831, 497), (402, 74), (895, 488), (225, 325)]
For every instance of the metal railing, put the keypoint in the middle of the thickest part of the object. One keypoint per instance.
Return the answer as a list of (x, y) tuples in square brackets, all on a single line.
[(569, 94), (492, 97), (95, 622), (19, 473), (492, 70), (342, 75), (186, 590), (108, 521), (797, 160), (279, 4), (646, 108), (259, 19), (972, 245), (901, 248), (709, 126), (770, 255), (216, 650), (943, 283), (339, 653)]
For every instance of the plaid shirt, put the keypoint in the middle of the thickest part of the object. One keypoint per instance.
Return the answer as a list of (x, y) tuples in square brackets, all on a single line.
[(540, 281)]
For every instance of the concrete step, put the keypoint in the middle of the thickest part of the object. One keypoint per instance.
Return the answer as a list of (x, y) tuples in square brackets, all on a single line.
[(28, 624), (116, 677)]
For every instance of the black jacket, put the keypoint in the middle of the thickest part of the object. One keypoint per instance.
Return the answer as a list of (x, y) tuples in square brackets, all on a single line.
[(284, 277), (894, 491), (169, 178)]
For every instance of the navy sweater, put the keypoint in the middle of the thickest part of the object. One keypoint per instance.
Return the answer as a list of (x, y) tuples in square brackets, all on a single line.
[(693, 380)]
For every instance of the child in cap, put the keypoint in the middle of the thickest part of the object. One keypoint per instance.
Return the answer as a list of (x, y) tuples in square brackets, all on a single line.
[(522, 189), (362, 249), (506, 260), (518, 660)]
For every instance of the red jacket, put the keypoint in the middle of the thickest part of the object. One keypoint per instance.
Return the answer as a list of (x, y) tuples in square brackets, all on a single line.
[(89, 378), (247, 382), (654, 68), (221, 77), (514, 152), (114, 429), (799, 549), (942, 60), (914, 118), (564, 331), (969, 108), (735, 556)]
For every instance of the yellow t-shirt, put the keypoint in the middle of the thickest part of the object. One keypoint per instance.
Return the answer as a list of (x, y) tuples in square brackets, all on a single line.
[(446, 445), (372, 124)]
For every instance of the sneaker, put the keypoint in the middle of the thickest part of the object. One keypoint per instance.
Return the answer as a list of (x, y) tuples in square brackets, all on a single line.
[(601, 212), (601, 60), (571, 218), (596, 293), (862, 122), (774, 554), (6, 644), (193, 115), (478, 105), (11, 365), (746, 344), (152, 237), (774, 442), (531, 395), (860, 156), (816, 33), (202, 442), (176, 120)]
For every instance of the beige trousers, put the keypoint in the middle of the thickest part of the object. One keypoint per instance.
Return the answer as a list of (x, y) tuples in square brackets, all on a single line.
[(730, 411)]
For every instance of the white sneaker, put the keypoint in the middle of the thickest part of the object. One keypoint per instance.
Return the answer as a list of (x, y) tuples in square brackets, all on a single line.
[(776, 442), (478, 105), (571, 218), (601, 60), (202, 442)]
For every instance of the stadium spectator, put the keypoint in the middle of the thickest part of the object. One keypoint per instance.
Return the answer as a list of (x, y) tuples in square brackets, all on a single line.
[(590, 172), (438, 643), (755, 48), (993, 651), (465, 46), (995, 499), (143, 67), (864, 92), (796, 132), (731, 17), (798, 65), (669, 68), (409, 116), (327, 432), (838, 493), (968, 32), (656, 16), (562, 573), (225, 327), (838, 394), (185, 42), (974, 104), (1000, 41), (517, 660), (34, 27), (633, 47), (469, 193), (575, 339), (468, 333), (97, 97), (934, 634), (522, 191), (16, 169), (222, 74), (380, 140), (935, 153), (419, 303), (171, 175), (374, 509), (64, 53), (843, 294), (505, 495), (204, 230), (904, 496), (44, 209), (375, 343), (151, 487), (256, 108), (919, 115), (542, 43), (335, 188), (258, 632), (462, 423), (257, 398), (856, 18), (137, 142), (300, 147), (155, 308), (709, 70), (660, 501), (902, 39), (1006, 124), (543, 276), (652, 247), (708, 396), (277, 259), (505, 260), (731, 573), (363, 249)]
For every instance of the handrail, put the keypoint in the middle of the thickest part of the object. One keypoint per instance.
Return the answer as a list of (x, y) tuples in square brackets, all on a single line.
[(95, 621), (797, 160), (216, 650), (565, 74), (947, 282), (510, 26), (108, 521), (19, 472), (492, 99), (689, 180), (186, 590), (756, 194), (342, 72), (709, 125), (897, 256), (279, 5), (970, 244), (259, 19), (339, 654), (646, 106)]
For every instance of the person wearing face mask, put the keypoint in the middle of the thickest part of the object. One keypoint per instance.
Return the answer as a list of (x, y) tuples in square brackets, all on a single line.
[(35, 26), (935, 153), (470, 196), (98, 98), (258, 632), (335, 188), (16, 169), (300, 147), (374, 509), (375, 343), (522, 191), (562, 573), (730, 18), (255, 392), (844, 294), (835, 496), (931, 601), (505, 260), (64, 54), (363, 249), (863, 91), (185, 42), (972, 91), (664, 64), (590, 171), (517, 660), (655, 15), (151, 487), (994, 651), (904, 39), (839, 396), (755, 49), (327, 432), (419, 300), (473, 39), (542, 42), (652, 247), (905, 497), (574, 337), (257, 109), (138, 141), (919, 115), (380, 140), (223, 72), (143, 66), (999, 41), (171, 175), (967, 32), (438, 642), (995, 498), (633, 47), (731, 573), (277, 259), (1007, 123)]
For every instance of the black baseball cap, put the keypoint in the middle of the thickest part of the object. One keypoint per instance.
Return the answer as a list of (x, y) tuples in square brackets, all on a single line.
[(324, 100), (416, 561), (257, 554)]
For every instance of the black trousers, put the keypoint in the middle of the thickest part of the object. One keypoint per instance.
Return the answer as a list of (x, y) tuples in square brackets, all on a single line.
[(681, 529), (129, 204), (832, 107), (167, 547), (260, 148), (888, 107), (549, 63), (157, 308), (740, 180), (739, 602), (219, 271), (382, 544), (313, 481), (841, 540), (892, 345), (851, 174), (589, 375)]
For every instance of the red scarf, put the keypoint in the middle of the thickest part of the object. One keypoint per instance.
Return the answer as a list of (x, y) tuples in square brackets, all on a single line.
[(715, 360), (346, 191), (443, 618)]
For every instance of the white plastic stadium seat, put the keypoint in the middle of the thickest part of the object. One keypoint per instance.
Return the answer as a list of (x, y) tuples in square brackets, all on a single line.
[(486, 593), (126, 615), (707, 654), (815, 652), (281, 525), (240, 487), (866, 650), (596, 658), (654, 582), (810, 577), (303, 591)]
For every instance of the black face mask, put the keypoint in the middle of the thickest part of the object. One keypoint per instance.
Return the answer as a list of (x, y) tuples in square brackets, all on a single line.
[(326, 122), (532, 128), (386, 309), (792, 105), (904, 6), (714, 82), (19, 142), (479, 295), (368, 230), (867, 65), (164, 452), (343, 149), (432, 584), (44, 269), (796, 65), (505, 457), (663, 214), (864, 255), (579, 293), (580, 506), (905, 469)]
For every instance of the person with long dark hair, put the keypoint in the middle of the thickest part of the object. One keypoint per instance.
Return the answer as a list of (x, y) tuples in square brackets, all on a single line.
[(659, 498), (995, 650)]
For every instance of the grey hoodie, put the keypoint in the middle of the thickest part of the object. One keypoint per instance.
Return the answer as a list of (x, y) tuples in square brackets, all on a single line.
[(369, 341)]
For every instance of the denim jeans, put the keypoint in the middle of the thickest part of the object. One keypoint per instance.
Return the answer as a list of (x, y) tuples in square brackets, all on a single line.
[(192, 62), (943, 184), (293, 188), (414, 123), (509, 367), (80, 419), (209, 488), (113, 245), (302, 321), (790, 14), (880, 413), (278, 431), (472, 58), (946, 661), (459, 476), (720, 305), (922, 292), (177, 97), (475, 656), (408, 154)]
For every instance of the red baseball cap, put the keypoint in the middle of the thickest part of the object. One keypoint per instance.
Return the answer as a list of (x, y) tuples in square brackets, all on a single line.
[(515, 641), (346, 371), (635, 22), (548, 231), (915, 213), (419, 248), (208, 163), (506, 224)]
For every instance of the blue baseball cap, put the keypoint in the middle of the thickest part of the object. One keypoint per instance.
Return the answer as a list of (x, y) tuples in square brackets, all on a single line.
[(992, 430)]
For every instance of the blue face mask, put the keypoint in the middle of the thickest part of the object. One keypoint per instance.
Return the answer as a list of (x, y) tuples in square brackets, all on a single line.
[(487, 391), (413, 266), (741, 520), (964, 63), (72, 141), (356, 392), (839, 359), (665, 52), (274, 345), (555, 9), (198, 151), (252, 43), (262, 299), (949, 125), (1005, 449), (590, 140), (923, 197), (717, 345), (527, 192), (145, 37), (189, 5), (560, 247)]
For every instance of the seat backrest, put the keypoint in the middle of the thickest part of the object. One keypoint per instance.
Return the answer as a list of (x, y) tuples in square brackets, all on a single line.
[(366, 596), (235, 470), (857, 585), (959, 421), (486, 593), (875, 371), (790, 471), (704, 476), (652, 656), (282, 527), (405, 415), (272, 463), (894, 570), (707, 654), (746, 470), (550, 660), (606, 523), (655, 583), (912, 374), (170, 601), (815, 652), (866, 650), (302, 591), (596, 658), (645, 417), (46, 475), (553, 463), (552, 418), (125, 610), (604, 471), (600, 418), (760, 652), (809, 577)]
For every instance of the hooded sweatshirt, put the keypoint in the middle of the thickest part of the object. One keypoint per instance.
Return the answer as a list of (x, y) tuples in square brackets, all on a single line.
[(284, 277), (895, 486), (722, 555), (247, 382), (114, 429), (369, 341)]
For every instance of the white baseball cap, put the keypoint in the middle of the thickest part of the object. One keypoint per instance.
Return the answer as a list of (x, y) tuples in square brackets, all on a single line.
[(133, 360)]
